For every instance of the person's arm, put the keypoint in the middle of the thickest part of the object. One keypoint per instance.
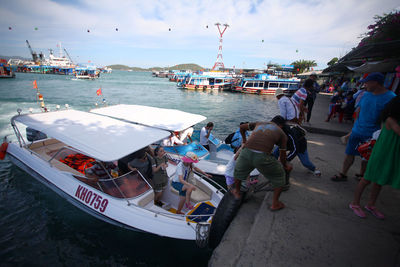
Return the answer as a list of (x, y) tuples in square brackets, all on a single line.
[(175, 140), (282, 150), (131, 167), (208, 133), (201, 171), (244, 128), (392, 124)]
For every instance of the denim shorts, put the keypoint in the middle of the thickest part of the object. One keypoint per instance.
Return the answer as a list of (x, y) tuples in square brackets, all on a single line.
[(178, 186), (354, 141)]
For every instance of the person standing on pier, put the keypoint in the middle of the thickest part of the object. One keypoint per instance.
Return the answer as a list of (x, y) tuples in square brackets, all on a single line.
[(299, 98), (381, 172), (371, 105), (312, 95), (257, 154)]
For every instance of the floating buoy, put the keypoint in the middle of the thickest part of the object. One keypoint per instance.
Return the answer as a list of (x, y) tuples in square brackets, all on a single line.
[(10, 28), (88, 30), (207, 26), (169, 29), (116, 29), (3, 150), (36, 28)]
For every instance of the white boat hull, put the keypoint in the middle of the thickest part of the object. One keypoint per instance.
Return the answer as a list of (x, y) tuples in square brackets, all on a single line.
[(105, 207)]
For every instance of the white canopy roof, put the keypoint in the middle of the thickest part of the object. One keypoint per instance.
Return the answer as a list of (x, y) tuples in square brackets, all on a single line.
[(97, 136), (167, 119)]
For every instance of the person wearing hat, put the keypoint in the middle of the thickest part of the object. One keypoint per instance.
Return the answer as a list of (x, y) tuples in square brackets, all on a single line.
[(371, 105), (180, 181), (287, 108)]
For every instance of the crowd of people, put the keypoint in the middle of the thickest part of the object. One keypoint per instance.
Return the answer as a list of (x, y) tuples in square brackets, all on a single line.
[(273, 144)]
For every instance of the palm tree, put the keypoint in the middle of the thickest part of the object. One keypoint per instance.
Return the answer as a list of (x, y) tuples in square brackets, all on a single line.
[(303, 65)]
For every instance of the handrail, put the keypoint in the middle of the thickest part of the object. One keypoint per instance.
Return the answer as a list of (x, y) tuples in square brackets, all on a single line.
[(221, 188)]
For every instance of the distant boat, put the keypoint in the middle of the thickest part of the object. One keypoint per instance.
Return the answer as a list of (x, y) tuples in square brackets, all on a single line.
[(208, 81), (265, 84), (6, 70), (87, 73)]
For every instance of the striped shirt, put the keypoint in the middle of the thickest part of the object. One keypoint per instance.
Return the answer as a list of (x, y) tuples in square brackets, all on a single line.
[(300, 94)]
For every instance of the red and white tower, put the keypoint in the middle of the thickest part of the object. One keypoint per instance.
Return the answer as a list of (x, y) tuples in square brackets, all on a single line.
[(219, 62)]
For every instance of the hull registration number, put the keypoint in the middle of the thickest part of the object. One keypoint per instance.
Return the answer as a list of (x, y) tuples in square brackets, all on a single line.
[(91, 198)]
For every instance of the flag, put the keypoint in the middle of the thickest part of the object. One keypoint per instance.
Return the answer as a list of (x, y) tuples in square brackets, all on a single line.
[(35, 84), (98, 92)]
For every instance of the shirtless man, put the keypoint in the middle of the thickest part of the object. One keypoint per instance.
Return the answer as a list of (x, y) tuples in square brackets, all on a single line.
[(257, 154)]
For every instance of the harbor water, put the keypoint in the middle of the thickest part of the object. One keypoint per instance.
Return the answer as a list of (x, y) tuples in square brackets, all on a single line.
[(38, 227)]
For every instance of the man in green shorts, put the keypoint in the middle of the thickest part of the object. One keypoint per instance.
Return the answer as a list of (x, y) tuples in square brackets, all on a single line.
[(256, 154)]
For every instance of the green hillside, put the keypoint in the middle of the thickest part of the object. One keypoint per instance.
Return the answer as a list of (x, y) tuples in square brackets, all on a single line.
[(193, 67)]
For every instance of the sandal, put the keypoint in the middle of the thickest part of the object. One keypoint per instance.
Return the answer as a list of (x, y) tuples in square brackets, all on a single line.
[(357, 210), (279, 207), (374, 211), (339, 178)]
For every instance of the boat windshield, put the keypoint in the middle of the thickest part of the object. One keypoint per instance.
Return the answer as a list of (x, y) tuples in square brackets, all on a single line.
[(130, 185)]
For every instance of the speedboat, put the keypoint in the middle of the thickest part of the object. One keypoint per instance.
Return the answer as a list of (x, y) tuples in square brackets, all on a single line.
[(60, 145), (173, 120)]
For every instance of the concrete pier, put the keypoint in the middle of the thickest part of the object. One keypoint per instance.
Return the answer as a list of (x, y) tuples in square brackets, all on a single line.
[(317, 228)]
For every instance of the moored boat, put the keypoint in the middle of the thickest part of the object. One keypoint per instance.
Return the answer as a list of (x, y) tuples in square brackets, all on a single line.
[(265, 84), (6, 70), (57, 140), (208, 81)]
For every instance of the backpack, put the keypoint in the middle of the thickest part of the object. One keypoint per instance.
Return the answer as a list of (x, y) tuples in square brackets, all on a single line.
[(228, 139)]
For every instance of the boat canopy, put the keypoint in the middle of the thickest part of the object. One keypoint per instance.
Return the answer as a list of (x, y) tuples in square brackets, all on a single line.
[(100, 137), (161, 118)]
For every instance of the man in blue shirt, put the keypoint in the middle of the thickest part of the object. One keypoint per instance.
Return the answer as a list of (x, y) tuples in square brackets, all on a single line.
[(371, 104)]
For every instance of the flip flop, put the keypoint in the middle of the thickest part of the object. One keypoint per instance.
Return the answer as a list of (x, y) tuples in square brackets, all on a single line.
[(357, 210), (339, 178), (279, 208), (374, 211)]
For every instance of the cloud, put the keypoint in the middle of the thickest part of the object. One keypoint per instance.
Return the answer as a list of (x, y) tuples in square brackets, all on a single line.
[(320, 30)]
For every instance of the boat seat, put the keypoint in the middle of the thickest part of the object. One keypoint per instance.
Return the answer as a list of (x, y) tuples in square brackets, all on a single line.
[(44, 152), (146, 199), (201, 193)]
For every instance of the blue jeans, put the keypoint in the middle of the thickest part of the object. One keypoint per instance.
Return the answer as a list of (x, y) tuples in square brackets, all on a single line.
[(303, 157)]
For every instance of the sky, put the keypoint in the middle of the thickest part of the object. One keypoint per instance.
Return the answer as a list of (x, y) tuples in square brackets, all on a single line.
[(169, 32)]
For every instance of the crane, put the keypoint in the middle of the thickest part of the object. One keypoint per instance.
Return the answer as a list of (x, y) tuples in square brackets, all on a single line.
[(68, 56), (34, 55)]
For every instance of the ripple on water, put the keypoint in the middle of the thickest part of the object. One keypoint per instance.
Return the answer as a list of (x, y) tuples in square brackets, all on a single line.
[(37, 225)]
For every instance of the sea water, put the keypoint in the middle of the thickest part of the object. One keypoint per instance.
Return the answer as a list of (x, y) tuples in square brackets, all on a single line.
[(38, 227)]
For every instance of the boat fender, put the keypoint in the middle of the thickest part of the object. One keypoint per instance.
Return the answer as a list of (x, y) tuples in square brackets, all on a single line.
[(196, 87), (226, 211), (212, 86), (220, 87), (258, 92), (3, 150), (205, 87)]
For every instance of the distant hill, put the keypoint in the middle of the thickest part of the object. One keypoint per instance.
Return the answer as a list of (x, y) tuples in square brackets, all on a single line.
[(193, 67), (15, 57)]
